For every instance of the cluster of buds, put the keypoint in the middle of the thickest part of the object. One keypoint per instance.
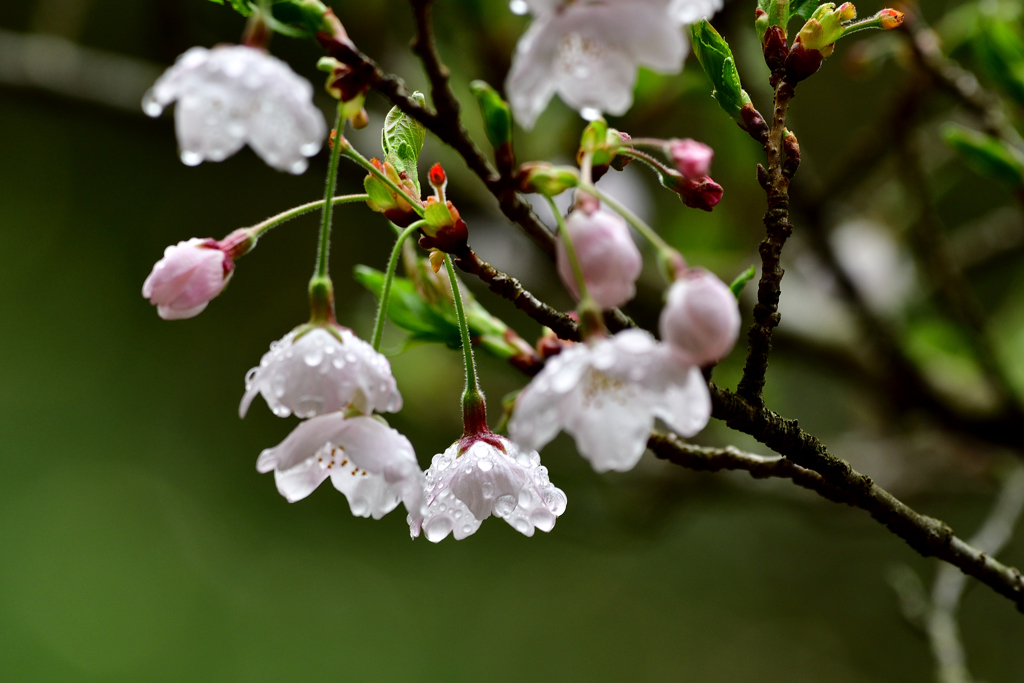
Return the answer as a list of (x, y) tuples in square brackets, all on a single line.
[(444, 230), (346, 83), (603, 144), (395, 207), (816, 39)]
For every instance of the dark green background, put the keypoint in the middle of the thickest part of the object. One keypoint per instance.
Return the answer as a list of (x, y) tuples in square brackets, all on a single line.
[(138, 543)]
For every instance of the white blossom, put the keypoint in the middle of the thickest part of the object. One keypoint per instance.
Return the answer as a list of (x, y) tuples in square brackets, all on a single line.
[(588, 52), (232, 95), (607, 395), (315, 370), (491, 476), (371, 463), (608, 258)]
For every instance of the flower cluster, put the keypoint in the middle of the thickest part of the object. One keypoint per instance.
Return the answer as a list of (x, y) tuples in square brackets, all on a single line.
[(606, 391)]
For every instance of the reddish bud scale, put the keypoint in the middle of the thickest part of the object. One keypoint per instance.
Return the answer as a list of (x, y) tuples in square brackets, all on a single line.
[(802, 63), (775, 48), (754, 123)]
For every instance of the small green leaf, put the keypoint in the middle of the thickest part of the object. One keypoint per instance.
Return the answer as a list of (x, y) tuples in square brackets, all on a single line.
[(409, 311), (716, 59), (740, 282), (437, 215), (240, 6), (496, 112), (986, 154), (402, 139), (802, 8)]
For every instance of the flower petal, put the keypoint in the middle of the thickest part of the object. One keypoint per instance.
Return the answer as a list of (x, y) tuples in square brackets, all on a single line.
[(304, 441), (611, 422), (685, 408), (298, 482)]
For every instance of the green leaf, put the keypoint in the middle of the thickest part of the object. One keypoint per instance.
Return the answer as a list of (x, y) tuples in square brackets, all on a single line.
[(240, 6), (740, 282), (986, 154), (402, 140), (802, 8), (716, 59), (410, 312), (496, 112)]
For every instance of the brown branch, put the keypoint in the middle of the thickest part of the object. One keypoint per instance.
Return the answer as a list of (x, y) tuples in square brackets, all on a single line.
[(930, 537), (775, 181)]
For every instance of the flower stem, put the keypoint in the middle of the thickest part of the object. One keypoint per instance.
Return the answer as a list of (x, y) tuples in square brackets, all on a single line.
[(328, 207), (570, 250), (467, 343), (353, 154), (274, 221), (647, 231), (389, 277)]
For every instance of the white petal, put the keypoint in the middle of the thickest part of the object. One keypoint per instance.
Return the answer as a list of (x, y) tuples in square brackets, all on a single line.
[(537, 416), (611, 422), (375, 447), (531, 80), (690, 11), (369, 495), (300, 481), (685, 408), (304, 441), (484, 474)]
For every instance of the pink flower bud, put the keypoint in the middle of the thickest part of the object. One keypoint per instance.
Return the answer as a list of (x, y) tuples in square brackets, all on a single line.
[(701, 318), (608, 257), (187, 278), (692, 158), (700, 193)]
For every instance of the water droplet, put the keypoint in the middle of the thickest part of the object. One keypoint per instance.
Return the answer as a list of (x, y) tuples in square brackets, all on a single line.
[(526, 498), (519, 7), (436, 528), (542, 519), (150, 106), (555, 500), (485, 465), (313, 357), (487, 488), (524, 459), (191, 158), (522, 526), (504, 505)]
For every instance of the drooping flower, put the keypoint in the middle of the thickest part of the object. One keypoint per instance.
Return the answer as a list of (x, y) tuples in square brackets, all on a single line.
[(607, 394), (588, 51), (692, 158), (232, 95), (467, 484), (701, 318), (371, 463), (319, 369), (608, 257), (187, 278)]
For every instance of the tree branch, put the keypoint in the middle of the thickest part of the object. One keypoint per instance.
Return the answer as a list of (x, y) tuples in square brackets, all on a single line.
[(775, 181)]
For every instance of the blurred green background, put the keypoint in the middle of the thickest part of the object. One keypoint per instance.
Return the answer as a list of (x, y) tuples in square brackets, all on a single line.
[(138, 543)]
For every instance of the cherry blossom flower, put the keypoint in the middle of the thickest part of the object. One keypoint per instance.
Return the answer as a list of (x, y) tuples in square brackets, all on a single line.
[(607, 394), (316, 369), (466, 485), (608, 257), (187, 278), (232, 95), (588, 51), (701, 318), (371, 463)]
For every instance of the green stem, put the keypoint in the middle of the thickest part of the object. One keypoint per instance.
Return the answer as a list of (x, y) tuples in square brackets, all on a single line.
[(570, 250), (389, 277), (355, 156), (647, 231), (328, 206), (274, 221), (467, 343)]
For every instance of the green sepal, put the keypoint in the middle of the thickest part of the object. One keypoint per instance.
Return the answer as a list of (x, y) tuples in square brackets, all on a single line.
[(240, 6), (402, 139), (986, 154), (437, 216), (741, 281), (380, 194), (495, 111), (716, 59), (601, 142)]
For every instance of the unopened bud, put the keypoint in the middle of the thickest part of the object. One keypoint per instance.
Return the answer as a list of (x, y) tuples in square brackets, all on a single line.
[(189, 276), (698, 193), (692, 158), (607, 256), (438, 180), (444, 230), (546, 179), (701, 319), (890, 19)]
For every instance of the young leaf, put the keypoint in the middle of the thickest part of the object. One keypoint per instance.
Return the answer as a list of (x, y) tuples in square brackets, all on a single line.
[(240, 6), (716, 58), (741, 281), (496, 112), (402, 140), (986, 154)]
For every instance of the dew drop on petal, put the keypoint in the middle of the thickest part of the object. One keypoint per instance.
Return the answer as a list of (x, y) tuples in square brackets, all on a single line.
[(485, 465), (519, 7), (437, 528), (521, 525), (313, 357), (487, 489), (191, 158), (504, 505), (542, 519)]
